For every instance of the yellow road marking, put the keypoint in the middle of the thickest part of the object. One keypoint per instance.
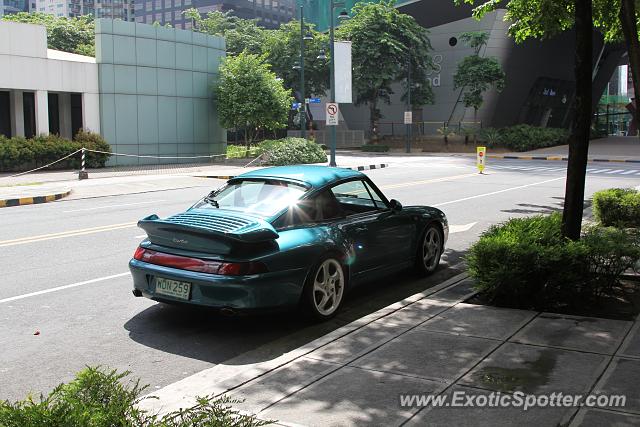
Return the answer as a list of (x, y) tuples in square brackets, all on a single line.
[(63, 234)]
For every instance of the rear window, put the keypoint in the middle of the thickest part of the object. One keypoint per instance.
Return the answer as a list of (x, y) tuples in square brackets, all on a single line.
[(262, 197)]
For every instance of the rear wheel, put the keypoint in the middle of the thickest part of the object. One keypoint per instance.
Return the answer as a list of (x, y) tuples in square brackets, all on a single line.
[(429, 250), (324, 289)]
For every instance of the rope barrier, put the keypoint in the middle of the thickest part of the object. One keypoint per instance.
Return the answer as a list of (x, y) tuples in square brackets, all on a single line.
[(45, 166)]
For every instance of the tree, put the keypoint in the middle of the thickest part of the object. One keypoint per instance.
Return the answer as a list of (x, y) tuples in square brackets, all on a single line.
[(240, 34), (544, 19), (476, 74), (250, 97), (281, 49), (74, 35), (385, 43)]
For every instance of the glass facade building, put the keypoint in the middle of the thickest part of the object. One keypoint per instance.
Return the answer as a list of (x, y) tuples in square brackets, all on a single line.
[(13, 6)]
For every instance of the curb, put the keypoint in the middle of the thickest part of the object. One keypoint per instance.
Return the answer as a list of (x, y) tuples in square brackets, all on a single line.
[(234, 373), (355, 168), (7, 203), (557, 158)]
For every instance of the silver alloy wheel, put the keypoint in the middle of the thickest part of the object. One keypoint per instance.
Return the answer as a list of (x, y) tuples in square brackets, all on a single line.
[(328, 287), (431, 248)]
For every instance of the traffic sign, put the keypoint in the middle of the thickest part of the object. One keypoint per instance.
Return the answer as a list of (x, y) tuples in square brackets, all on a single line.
[(408, 117), (295, 105), (332, 114), (314, 100), (481, 155)]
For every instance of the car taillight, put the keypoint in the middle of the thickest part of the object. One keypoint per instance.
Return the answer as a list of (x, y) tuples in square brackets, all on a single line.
[(199, 265)]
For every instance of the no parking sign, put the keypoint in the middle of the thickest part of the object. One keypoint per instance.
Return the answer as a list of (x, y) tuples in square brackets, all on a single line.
[(481, 154)]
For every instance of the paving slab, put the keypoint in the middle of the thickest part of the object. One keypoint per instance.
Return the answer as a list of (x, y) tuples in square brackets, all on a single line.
[(574, 333), (473, 416), (622, 378), (602, 417), (353, 345), (351, 397), (259, 394), (479, 320), (460, 291), (416, 313), (429, 355), (631, 345), (533, 369)]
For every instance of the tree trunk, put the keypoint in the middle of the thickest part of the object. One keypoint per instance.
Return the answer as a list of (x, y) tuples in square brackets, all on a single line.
[(630, 30), (373, 118), (579, 140)]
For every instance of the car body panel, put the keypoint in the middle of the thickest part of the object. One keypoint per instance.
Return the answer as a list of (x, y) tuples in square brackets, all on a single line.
[(368, 244)]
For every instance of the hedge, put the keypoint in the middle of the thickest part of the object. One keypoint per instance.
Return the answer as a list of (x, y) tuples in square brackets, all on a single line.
[(292, 151), (527, 263), (523, 137), (19, 153), (617, 207), (100, 398), (375, 148)]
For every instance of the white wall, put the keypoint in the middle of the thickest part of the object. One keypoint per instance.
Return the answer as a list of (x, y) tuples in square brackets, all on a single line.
[(28, 65)]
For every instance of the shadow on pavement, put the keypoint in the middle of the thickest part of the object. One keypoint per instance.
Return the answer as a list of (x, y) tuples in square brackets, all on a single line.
[(203, 334)]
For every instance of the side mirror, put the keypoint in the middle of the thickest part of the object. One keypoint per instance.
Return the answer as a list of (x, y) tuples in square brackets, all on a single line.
[(395, 205)]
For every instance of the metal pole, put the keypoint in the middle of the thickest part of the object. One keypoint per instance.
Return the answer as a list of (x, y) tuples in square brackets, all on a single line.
[(83, 173), (332, 161), (408, 130), (303, 109)]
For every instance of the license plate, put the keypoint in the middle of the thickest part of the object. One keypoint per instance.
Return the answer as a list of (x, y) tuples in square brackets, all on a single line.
[(173, 288)]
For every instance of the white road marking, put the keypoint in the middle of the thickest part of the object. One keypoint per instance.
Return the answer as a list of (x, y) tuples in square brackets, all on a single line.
[(477, 196), (601, 170), (616, 171), (114, 206), (461, 228), (629, 172), (60, 288), (142, 236)]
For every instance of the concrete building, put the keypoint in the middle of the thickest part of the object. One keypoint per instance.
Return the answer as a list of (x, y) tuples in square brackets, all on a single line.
[(147, 91), (539, 75), (270, 13)]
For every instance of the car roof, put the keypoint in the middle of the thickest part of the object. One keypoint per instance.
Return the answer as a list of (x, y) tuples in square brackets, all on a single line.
[(311, 175)]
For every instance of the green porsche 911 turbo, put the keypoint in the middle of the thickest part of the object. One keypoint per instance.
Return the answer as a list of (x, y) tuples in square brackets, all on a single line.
[(293, 236)]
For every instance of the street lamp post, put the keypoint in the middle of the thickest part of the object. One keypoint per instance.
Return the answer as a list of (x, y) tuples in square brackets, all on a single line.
[(303, 108), (408, 125), (343, 15)]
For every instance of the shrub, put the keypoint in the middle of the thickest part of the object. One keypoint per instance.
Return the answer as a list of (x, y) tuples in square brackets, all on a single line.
[(490, 136), (375, 148), (525, 137), (292, 151), (101, 398), (617, 207), (19, 153), (526, 263)]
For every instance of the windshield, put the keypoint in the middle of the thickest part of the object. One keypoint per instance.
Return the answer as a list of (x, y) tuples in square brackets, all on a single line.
[(265, 198)]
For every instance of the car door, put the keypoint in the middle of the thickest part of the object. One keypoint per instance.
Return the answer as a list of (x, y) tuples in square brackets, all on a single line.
[(381, 239)]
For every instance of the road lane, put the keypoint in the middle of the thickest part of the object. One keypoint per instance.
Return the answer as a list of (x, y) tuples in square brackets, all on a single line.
[(101, 323)]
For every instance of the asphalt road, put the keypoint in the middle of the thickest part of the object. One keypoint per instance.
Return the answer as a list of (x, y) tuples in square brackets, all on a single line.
[(65, 296)]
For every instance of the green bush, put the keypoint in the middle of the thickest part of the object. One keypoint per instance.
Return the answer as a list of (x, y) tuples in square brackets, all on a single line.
[(19, 153), (526, 263), (617, 207), (524, 137), (292, 151), (375, 148), (100, 398)]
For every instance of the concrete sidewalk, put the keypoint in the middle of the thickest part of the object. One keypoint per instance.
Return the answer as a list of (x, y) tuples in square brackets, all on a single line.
[(435, 344)]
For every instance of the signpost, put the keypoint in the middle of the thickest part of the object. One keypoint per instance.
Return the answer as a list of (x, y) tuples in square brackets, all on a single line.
[(332, 114), (408, 117), (314, 100), (481, 154)]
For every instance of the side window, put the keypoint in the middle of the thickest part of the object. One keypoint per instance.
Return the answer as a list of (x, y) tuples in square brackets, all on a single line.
[(376, 197), (321, 207), (354, 197)]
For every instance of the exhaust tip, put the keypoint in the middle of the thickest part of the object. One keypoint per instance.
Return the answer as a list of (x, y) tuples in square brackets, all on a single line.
[(227, 311), (137, 293)]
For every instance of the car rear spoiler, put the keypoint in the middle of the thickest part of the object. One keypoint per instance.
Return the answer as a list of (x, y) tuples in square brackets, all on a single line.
[(169, 233)]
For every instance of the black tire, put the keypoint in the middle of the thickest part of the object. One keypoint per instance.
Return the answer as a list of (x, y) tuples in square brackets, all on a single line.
[(333, 287), (429, 250)]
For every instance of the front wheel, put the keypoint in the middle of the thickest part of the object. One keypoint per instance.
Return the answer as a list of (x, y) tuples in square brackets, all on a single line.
[(429, 250), (324, 289)]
